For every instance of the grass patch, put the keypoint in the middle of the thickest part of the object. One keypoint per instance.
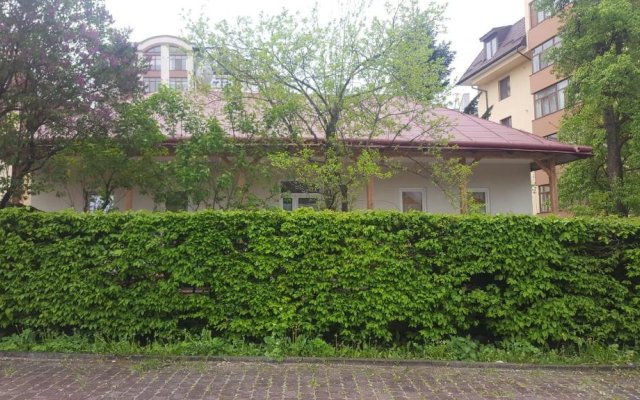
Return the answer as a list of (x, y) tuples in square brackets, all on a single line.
[(279, 347)]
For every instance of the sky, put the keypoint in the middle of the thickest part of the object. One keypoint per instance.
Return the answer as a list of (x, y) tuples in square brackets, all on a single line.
[(466, 20)]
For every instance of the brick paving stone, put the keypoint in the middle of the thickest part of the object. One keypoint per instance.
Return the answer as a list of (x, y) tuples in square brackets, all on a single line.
[(75, 379)]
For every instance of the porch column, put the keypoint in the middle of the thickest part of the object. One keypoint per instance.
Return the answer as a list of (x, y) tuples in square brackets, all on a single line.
[(464, 207), (128, 200), (370, 193), (549, 166)]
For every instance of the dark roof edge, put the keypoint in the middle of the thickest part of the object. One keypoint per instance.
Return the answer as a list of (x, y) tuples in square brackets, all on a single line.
[(510, 52)]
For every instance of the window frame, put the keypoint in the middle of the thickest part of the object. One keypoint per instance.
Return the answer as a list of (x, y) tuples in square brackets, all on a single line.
[(491, 47), (176, 53), (551, 95), (146, 80), (487, 197), (538, 16), (501, 93), (154, 58), (296, 196), (545, 205), (538, 53), (422, 191), (182, 88), (507, 119)]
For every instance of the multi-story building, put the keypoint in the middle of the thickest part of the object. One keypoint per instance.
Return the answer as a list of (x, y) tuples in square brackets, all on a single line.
[(170, 60), (519, 88)]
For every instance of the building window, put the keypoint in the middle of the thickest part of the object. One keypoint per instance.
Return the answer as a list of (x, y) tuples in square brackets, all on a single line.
[(479, 200), (544, 194), (176, 201), (551, 99), (538, 16), (154, 59), (295, 195), (553, 137), (540, 57), (180, 84), (177, 59), (506, 122), (413, 199), (491, 47), (97, 203), (152, 85), (505, 88)]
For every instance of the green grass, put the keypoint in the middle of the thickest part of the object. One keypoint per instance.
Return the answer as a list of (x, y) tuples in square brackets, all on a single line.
[(279, 347)]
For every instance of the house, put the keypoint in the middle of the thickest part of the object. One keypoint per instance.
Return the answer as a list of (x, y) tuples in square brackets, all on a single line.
[(504, 156), (500, 183), (518, 87)]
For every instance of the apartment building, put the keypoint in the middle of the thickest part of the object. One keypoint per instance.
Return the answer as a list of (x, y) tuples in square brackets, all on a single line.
[(170, 60), (519, 88)]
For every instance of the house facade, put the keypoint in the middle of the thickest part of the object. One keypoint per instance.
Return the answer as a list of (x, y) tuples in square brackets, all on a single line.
[(503, 153), (518, 87), (502, 157)]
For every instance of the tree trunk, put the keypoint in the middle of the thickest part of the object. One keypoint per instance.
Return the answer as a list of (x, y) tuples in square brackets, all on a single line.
[(13, 195), (344, 199), (615, 170)]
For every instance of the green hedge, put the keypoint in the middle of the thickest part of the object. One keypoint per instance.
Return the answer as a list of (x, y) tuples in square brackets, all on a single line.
[(377, 277)]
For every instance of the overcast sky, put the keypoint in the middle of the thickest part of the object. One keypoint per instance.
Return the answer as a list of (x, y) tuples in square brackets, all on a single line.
[(467, 19)]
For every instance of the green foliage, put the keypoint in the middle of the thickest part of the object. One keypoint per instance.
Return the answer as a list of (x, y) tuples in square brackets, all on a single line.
[(322, 88), (356, 278), (279, 347), (211, 167), (103, 162), (600, 52)]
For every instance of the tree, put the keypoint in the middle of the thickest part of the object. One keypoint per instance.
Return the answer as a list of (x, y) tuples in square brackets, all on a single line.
[(62, 68), (323, 88), (102, 162), (600, 52), (212, 166)]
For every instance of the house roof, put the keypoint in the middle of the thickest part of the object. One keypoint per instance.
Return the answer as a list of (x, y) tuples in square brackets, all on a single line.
[(455, 131), (471, 133), (510, 38)]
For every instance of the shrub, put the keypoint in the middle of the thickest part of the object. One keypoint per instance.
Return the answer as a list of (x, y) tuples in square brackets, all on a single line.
[(369, 277)]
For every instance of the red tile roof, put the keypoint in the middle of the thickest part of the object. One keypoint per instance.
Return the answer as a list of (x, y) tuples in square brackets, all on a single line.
[(468, 132)]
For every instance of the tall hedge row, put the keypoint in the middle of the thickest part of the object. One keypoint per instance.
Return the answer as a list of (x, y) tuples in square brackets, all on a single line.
[(379, 276)]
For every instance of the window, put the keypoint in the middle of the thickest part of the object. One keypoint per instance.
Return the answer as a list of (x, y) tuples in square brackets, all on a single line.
[(538, 16), (504, 87), (544, 194), (491, 47), (413, 199), (177, 59), (295, 195), (154, 59), (479, 200), (176, 201), (506, 122), (550, 100), (96, 203), (152, 85), (540, 54), (180, 84), (553, 136)]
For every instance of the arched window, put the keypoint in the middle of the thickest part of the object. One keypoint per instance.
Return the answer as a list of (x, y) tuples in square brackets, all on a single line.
[(153, 57)]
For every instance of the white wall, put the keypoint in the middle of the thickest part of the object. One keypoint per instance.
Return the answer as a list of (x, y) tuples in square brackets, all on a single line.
[(508, 183)]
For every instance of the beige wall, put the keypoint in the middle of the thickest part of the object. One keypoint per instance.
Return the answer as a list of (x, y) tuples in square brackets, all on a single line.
[(519, 106), (509, 192)]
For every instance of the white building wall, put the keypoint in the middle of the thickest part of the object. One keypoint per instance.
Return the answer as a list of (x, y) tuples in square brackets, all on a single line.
[(507, 181)]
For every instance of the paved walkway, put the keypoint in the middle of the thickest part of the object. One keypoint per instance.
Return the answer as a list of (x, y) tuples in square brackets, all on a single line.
[(155, 379)]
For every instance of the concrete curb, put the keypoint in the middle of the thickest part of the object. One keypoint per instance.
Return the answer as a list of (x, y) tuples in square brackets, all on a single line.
[(42, 356)]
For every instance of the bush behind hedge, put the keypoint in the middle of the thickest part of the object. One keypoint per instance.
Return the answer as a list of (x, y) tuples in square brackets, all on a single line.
[(375, 276)]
